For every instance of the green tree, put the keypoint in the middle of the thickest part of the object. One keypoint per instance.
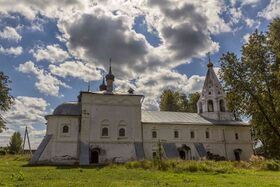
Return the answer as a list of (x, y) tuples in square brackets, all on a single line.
[(252, 84), (5, 99), (193, 99), (178, 102), (15, 145), (169, 101)]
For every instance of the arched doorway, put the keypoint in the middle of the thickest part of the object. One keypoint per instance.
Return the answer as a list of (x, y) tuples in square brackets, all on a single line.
[(237, 153), (185, 152), (182, 154), (94, 156)]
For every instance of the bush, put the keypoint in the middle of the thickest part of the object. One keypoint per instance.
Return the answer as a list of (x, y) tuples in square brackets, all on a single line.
[(206, 166), (272, 165), (3, 152)]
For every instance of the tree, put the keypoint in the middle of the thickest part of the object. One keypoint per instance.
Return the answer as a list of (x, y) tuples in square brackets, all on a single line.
[(6, 99), (252, 84), (193, 99), (178, 102), (15, 145)]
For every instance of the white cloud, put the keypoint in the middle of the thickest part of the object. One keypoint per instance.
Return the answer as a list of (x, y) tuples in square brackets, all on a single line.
[(94, 31), (30, 8), (245, 3), (46, 83), (272, 10), (52, 53), (246, 37), (84, 71), (26, 111), (10, 33), (152, 85), (14, 51)]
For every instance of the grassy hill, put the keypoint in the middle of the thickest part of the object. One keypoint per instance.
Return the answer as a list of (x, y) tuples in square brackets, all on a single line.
[(14, 171)]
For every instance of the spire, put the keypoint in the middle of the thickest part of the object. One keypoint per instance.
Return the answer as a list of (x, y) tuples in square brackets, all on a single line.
[(210, 64), (110, 75), (88, 86), (110, 68), (110, 78)]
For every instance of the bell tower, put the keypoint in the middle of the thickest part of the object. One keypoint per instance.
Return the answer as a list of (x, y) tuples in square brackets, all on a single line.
[(212, 101)]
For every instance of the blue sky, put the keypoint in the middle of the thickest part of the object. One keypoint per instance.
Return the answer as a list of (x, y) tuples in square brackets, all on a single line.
[(51, 53)]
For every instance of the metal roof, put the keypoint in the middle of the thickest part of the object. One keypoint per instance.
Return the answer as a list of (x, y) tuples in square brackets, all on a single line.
[(68, 108), (163, 117)]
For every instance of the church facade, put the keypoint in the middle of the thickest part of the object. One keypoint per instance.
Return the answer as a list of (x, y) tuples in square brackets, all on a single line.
[(105, 126)]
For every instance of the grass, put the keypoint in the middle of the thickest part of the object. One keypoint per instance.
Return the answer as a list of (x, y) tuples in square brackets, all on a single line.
[(14, 171)]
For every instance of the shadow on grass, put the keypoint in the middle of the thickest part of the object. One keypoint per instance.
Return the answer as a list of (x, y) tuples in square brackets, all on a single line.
[(93, 166)]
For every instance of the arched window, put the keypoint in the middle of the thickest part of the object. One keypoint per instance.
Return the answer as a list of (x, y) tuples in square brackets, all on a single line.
[(176, 134), (192, 134), (200, 107), (207, 134), (222, 105), (122, 132), (236, 136), (105, 131), (210, 106), (65, 129), (154, 134)]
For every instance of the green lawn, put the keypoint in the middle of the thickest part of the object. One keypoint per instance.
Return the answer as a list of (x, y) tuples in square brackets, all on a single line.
[(15, 172)]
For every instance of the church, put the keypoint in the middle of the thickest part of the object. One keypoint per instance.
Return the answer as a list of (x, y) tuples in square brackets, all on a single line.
[(110, 127)]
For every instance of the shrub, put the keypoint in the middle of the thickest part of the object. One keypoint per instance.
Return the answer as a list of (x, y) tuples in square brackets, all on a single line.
[(3, 152), (272, 165)]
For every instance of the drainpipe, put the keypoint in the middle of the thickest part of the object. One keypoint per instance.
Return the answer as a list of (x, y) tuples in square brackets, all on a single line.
[(225, 144)]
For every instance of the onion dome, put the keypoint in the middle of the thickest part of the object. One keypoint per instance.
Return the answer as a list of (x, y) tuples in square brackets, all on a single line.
[(102, 86)]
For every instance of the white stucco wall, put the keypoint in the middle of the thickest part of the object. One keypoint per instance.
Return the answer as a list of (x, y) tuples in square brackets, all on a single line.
[(215, 143), (63, 147), (113, 112)]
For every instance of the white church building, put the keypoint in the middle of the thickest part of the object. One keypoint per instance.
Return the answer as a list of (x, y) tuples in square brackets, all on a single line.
[(105, 126)]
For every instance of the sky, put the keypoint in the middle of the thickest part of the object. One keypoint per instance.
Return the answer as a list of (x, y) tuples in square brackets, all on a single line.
[(51, 50)]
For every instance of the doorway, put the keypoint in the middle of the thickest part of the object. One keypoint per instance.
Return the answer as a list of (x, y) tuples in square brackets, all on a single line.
[(237, 153), (94, 157), (182, 154)]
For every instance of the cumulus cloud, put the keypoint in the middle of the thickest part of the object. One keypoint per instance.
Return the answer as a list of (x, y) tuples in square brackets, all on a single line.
[(84, 71), (272, 10), (30, 8), (10, 33), (95, 31), (246, 37), (46, 83), (26, 111), (152, 85), (14, 51), (52, 53)]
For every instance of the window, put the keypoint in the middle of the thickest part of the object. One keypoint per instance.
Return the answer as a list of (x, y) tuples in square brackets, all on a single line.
[(154, 134), (222, 105), (121, 132), (209, 93), (192, 134), (210, 106), (207, 135), (105, 131), (154, 154), (176, 134), (200, 107), (236, 136), (65, 129)]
